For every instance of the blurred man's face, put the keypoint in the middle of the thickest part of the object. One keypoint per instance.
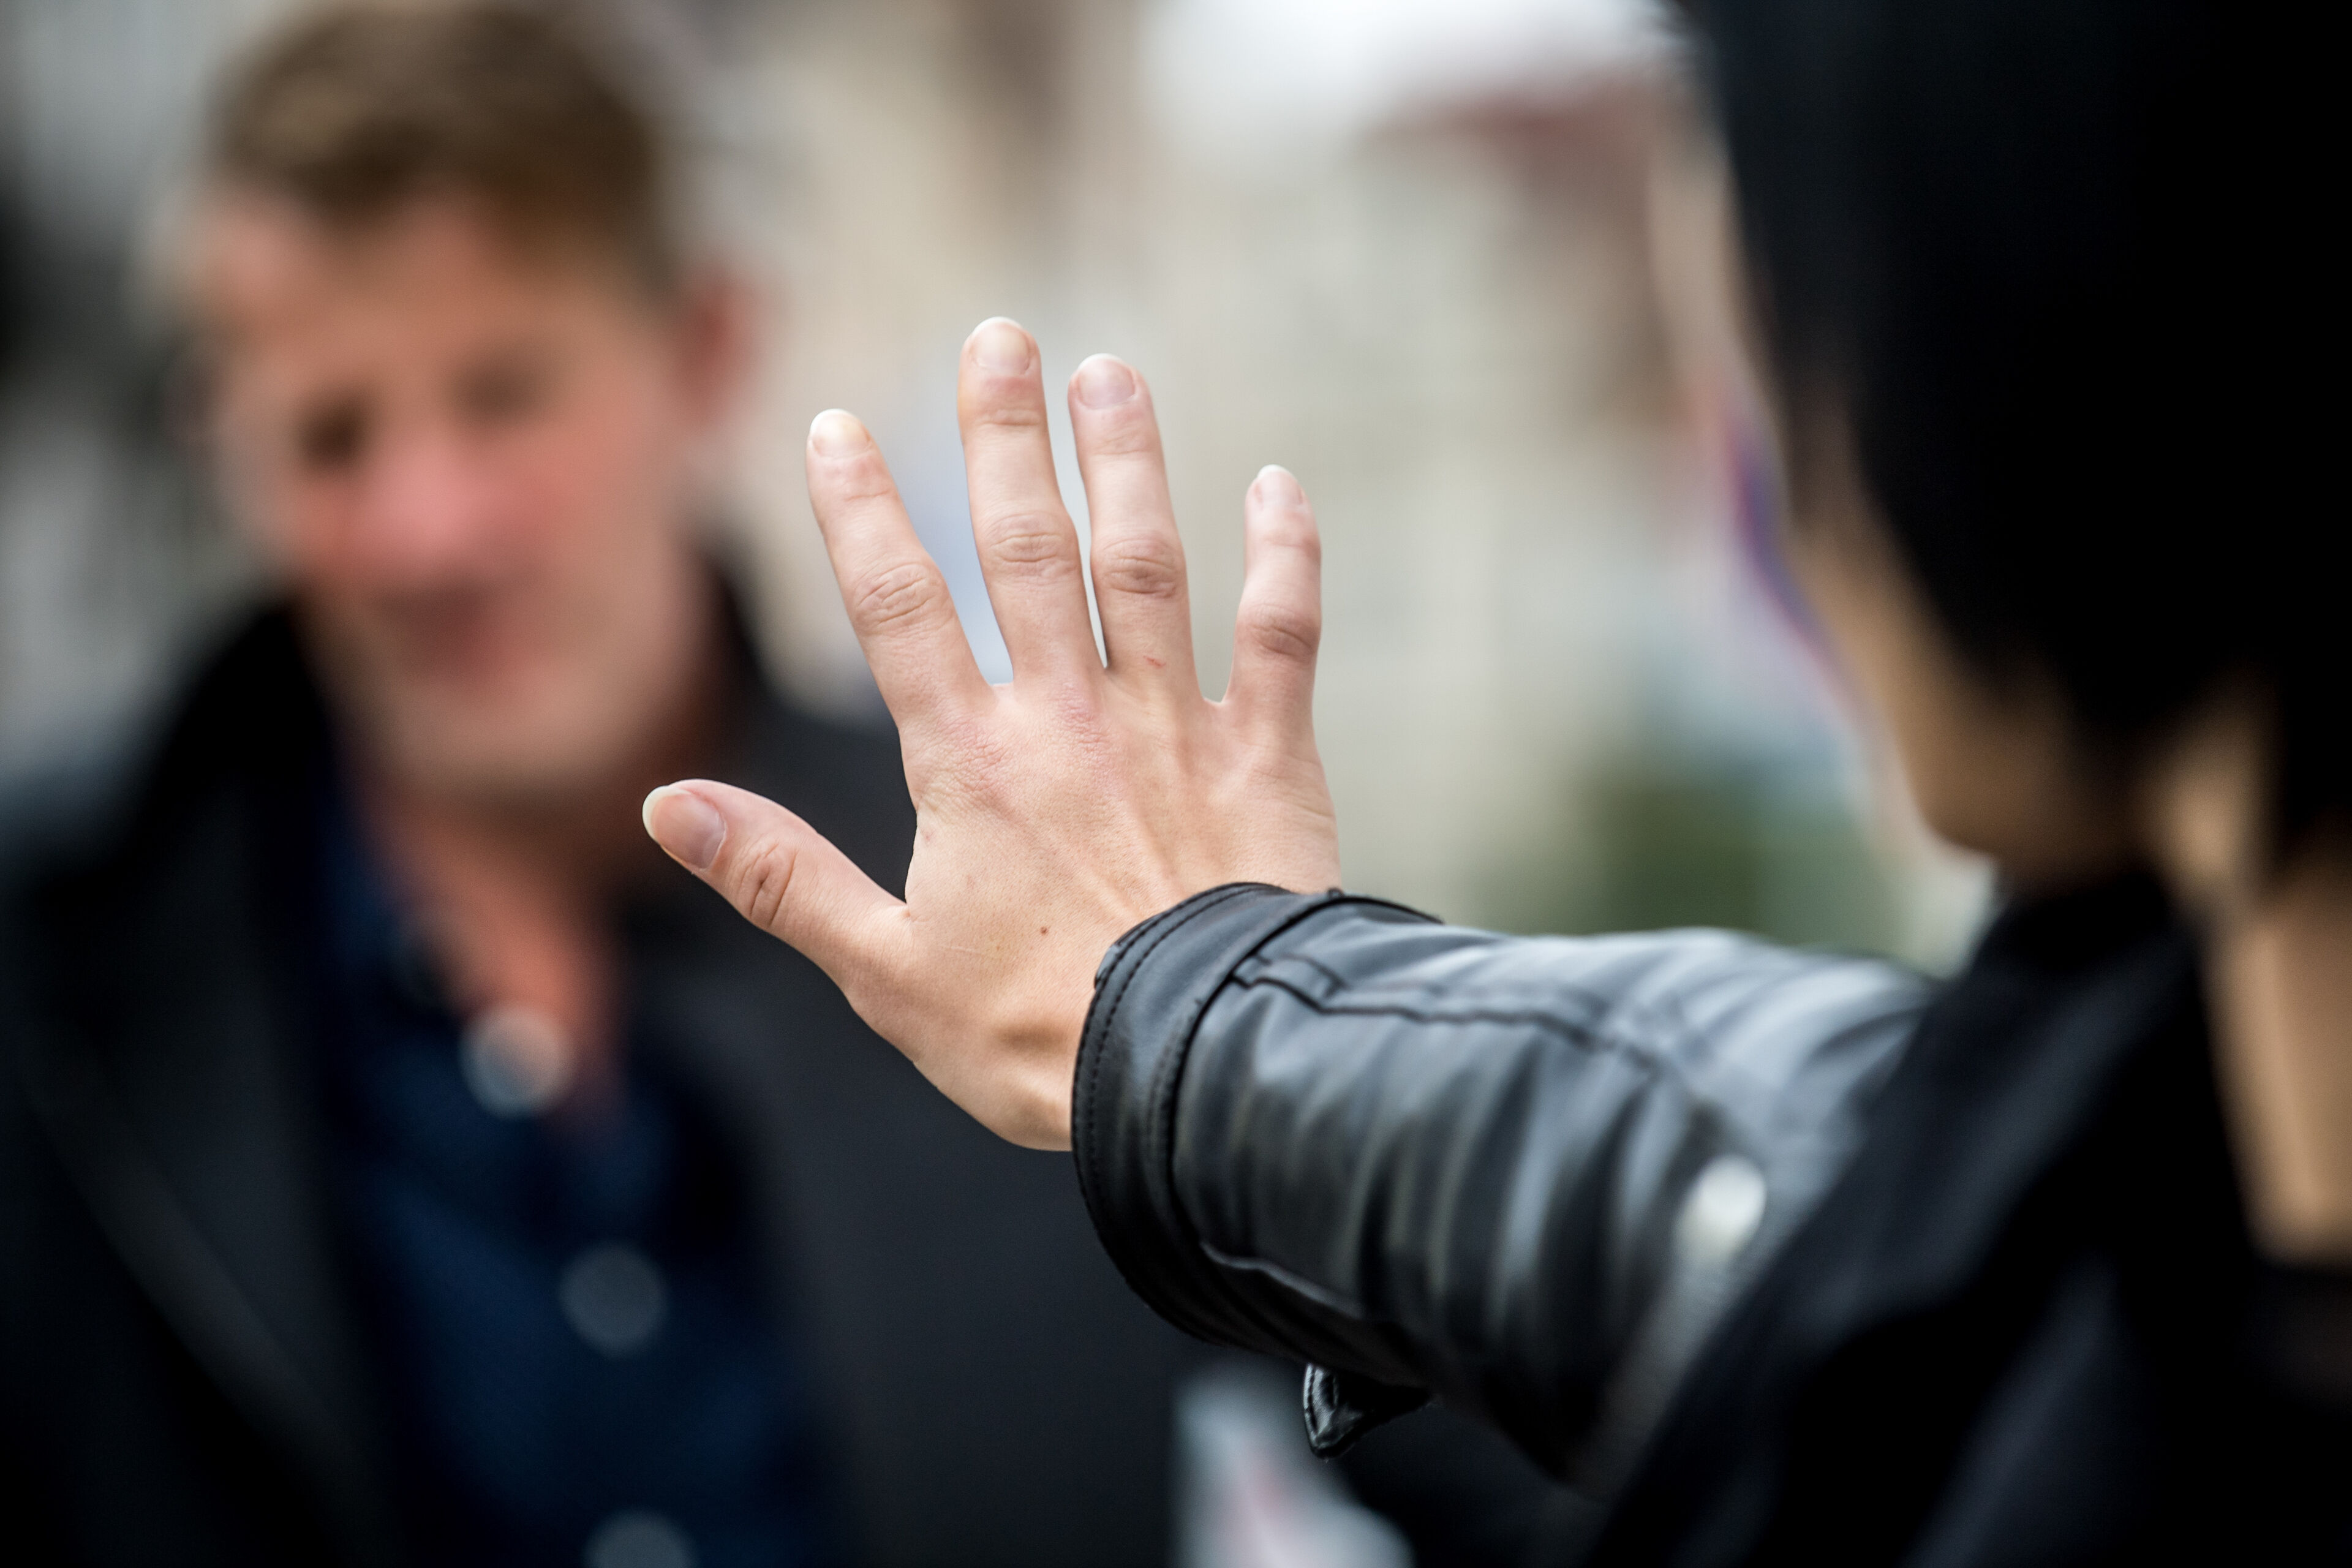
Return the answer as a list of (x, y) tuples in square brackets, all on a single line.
[(473, 466)]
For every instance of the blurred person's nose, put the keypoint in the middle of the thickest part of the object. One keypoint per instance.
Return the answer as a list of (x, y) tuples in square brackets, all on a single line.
[(432, 511)]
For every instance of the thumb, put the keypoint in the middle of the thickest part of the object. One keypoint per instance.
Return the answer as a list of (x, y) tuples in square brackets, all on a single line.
[(780, 873)]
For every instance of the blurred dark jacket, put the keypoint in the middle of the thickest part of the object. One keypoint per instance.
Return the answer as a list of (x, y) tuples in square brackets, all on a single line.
[(1783, 1259), (184, 1376)]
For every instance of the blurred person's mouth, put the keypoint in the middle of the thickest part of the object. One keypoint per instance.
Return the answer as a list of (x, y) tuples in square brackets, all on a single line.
[(481, 638)]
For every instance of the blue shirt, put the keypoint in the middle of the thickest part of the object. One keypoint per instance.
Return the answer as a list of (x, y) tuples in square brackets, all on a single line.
[(484, 1243)]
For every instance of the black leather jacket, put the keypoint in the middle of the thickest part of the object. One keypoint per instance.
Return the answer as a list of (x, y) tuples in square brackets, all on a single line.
[(1785, 1257)]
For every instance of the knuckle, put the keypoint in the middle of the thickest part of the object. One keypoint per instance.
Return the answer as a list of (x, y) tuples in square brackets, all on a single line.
[(898, 596), (1282, 631), (1008, 413), (763, 884), (1147, 567), (1031, 544)]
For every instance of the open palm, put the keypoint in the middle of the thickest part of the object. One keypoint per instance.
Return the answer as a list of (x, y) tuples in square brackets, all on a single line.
[(1058, 810)]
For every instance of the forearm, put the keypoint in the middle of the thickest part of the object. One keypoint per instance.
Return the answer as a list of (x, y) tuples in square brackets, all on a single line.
[(1448, 1160)]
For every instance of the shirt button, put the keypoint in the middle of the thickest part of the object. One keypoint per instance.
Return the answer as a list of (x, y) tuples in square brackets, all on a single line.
[(516, 1059), (638, 1538), (615, 1297), (1720, 1217)]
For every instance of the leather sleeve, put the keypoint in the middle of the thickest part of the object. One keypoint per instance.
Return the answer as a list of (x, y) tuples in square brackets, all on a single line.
[(1520, 1174)]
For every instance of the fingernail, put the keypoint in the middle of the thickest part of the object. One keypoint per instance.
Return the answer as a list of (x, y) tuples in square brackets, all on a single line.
[(1000, 345), (1277, 486), (687, 825), (838, 435), (1105, 383)]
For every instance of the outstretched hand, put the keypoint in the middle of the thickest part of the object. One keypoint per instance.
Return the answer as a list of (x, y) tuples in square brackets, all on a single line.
[(1056, 812)]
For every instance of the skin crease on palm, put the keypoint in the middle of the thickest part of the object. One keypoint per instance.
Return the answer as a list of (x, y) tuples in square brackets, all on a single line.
[(1090, 792)]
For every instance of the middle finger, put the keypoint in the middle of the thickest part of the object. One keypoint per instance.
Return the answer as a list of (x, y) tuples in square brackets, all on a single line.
[(1138, 558), (1028, 548)]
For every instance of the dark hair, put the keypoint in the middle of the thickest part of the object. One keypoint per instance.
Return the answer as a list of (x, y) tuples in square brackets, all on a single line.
[(2049, 259), (355, 112)]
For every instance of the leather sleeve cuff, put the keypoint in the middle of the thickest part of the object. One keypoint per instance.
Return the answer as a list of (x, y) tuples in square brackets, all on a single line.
[(1151, 992)]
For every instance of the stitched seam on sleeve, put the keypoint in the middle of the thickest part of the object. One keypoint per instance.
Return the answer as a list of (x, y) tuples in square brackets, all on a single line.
[(1656, 1030), (1600, 1042), (1631, 1016), (1581, 1033)]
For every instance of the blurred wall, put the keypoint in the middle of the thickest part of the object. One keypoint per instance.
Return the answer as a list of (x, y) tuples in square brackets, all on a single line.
[(108, 550), (1428, 256)]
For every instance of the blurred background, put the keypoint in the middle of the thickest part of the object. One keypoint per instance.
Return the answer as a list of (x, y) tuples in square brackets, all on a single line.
[(1454, 262)]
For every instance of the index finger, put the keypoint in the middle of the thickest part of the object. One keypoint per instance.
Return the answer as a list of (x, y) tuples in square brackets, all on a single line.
[(899, 603)]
